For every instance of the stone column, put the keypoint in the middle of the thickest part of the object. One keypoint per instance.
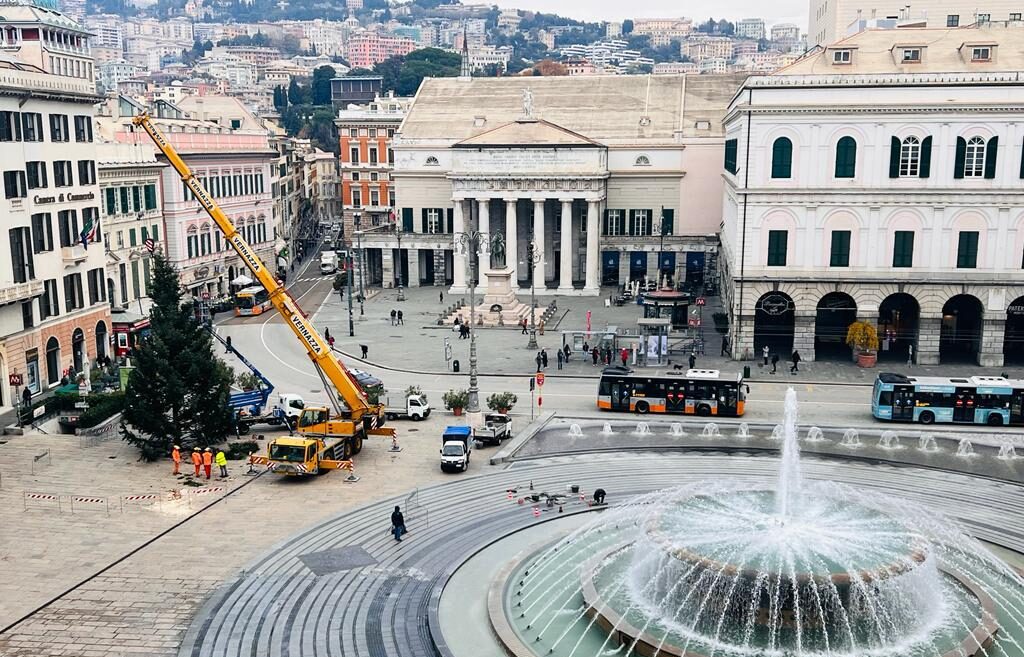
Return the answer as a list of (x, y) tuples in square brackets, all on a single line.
[(538, 239), (511, 240), (387, 262), (413, 267), (565, 273), (803, 337), (593, 277), (483, 225), (993, 330), (929, 330), (458, 258)]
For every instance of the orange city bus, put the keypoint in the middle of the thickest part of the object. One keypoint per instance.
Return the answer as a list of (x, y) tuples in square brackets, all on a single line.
[(252, 301), (694, 392)]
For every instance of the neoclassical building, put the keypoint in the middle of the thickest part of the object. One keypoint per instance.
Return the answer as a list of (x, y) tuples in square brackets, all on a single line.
[(880, 178), (592, 169)]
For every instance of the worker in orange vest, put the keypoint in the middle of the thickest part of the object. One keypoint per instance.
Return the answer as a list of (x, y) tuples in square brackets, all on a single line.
[(197, 459), (208, 461), (176, 455)]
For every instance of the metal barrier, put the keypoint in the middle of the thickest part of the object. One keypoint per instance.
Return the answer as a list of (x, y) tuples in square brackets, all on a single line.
[(199, 492), (99, 433), (139, 501), (89, 503), (41, 456), (413, 511), (41, 501)]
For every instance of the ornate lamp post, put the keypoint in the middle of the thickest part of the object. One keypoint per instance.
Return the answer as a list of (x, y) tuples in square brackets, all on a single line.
[(472, 243), (356, 218), (532, 259)]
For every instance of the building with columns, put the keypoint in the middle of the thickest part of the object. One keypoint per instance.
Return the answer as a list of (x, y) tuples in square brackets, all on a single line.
[(593, 169), (880, 179)]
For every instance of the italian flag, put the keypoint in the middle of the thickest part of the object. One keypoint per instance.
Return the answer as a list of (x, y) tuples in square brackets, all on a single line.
[(89, 232)]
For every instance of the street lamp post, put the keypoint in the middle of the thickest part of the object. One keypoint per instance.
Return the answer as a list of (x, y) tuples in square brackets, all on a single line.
[(359, 236), (398, 264), (472, 241), (533, 258), (661, 247), (351, 324)]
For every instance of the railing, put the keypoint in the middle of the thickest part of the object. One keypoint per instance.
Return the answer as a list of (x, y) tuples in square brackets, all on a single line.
[(12, 292), (73, 254)]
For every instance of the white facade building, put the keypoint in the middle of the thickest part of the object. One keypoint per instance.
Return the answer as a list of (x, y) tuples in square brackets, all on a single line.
[(880, 179), (750, 28)]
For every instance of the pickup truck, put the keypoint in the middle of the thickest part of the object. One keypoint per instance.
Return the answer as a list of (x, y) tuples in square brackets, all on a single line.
[(288, 409), (497, 427), (455, 448), (415, 408)]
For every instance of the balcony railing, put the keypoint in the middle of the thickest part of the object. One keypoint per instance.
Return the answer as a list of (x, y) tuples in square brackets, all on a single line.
[(14, 292), (73, 255)]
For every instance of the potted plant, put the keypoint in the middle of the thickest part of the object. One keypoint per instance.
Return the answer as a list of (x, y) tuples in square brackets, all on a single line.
[(455, 400), (502, 402), (863, 337)]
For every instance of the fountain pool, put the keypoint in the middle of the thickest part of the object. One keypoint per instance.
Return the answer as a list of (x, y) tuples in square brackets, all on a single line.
[(801, 569)]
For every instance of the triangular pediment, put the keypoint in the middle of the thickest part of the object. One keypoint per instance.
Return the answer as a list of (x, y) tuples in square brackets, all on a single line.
[(528, 133)]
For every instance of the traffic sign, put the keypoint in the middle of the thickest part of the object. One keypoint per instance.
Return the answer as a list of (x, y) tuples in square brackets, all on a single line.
[(540, 379), (540, 401), (205, 296), (81, 405), (15, 379), (701, 301)]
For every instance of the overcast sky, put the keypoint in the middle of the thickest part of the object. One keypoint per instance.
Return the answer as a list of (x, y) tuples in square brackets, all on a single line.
[(779, 11)]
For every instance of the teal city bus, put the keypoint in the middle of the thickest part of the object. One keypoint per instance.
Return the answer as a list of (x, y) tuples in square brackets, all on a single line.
[(991, 400)]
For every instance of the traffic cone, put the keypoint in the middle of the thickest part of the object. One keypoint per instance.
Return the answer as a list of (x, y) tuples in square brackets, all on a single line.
[(352, 477), (536, 512)]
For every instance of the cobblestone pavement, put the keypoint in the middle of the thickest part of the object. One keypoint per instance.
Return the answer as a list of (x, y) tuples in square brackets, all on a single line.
[(142, 605)]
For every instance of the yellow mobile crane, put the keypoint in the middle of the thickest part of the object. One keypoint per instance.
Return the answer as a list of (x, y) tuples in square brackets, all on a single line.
[(328, 441)]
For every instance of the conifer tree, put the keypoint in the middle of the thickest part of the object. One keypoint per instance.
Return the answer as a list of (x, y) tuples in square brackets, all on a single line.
[(178, 391)]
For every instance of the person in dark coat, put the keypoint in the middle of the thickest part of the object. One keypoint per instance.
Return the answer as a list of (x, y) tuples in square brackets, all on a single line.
[(440, 296), (594, 354), (775, 362), (693, 360), (398, 523), (567, 351), (559, 359), (544, 358), (599, 496), (725, 345), (540, 361), (796, 362)]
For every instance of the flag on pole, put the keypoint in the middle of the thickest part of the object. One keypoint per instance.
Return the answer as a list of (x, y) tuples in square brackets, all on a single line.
[(90, 230)]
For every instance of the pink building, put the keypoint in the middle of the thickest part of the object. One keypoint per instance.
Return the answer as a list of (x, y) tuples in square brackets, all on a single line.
[(365, 50)]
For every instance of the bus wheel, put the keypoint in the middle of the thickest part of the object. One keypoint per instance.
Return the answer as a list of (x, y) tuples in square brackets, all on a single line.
[(704, 410), (995, 420), (357, 444), (642, 408), (927, 417)]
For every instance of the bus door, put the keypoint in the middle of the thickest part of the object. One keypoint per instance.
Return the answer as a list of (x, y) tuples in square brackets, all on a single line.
[(903, 403), (1017, 407), (963, 405), (620, 396), (675, 398), (728, 396)]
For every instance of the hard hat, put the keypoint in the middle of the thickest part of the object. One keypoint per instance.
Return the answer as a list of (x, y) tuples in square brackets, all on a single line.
[(195, 449), (176, 447), (207, 449)]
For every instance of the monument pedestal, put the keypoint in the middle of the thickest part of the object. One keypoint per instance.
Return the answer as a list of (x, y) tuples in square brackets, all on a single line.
[(500, 306)]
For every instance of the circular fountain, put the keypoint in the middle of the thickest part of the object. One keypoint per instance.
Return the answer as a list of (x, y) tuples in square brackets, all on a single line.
[(801, 569)]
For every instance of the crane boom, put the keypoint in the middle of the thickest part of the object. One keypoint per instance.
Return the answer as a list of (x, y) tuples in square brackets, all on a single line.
[(316, 347)]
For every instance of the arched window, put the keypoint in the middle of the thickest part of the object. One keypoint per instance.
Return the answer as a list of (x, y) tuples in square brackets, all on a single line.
[(52, 361), (192, 241), (846, 158), (101, 339), (432, 162), (78, 349), (782, 158), (643, 161), (974, 158), (910, 156)]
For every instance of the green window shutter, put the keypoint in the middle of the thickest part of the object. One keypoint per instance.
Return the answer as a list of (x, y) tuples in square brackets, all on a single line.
[(846, 158), (145, 234), (423, 220), (961, 156), (407, 220), (150, 197), (967, 250), (991, 152), (604, 221), (782, 158), (903, 249), (777, 243), (450, 216), (111, 201), (156, 233), (668, 225), (894, 158), (731, 149), (840, 254), (131, 237), (632, 222), (926, 157)]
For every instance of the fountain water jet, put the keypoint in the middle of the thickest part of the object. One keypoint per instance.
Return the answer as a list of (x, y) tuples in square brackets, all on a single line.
[(607, 430), (1007, 452), (851, 439), (710, 430), (815, 435), (575, 430), (743, 431), (926, 443), (889, 440), (777, 433), (965, 449), (676, 430), (643, 429)]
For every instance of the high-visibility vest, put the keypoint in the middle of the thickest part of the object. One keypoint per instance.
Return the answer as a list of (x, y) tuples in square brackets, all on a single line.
[(207, 458), (196, 458), (222, 459), (176, 455)]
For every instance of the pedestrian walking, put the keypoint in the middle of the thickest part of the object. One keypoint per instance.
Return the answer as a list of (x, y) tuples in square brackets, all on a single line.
[(764, 352), (725, 345), (26, 397), (394, 316), (398, 524), (327, 333), (796, 362), (544, 358), (910, 355), (176, 457), (522, 323), (594, 354), (365, 350), (400, 318), (197, 459), (775, 362), (440, 297), (539, 360), (607, 355), (208, 462), (624, 354), (559, 359), (586, 348), (330, 341), (568, 352), (222, 463), (693, 359)]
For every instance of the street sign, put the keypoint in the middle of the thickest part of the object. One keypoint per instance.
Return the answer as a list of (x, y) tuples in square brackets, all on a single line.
[(694, 321), (15, 379), (81, 405), (540, 379), (532, 384), (205, 296), (701, 301), (150, 244), (540, 401)]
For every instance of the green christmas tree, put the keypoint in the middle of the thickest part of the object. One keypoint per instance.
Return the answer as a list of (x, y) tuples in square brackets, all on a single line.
[(178, 391)]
